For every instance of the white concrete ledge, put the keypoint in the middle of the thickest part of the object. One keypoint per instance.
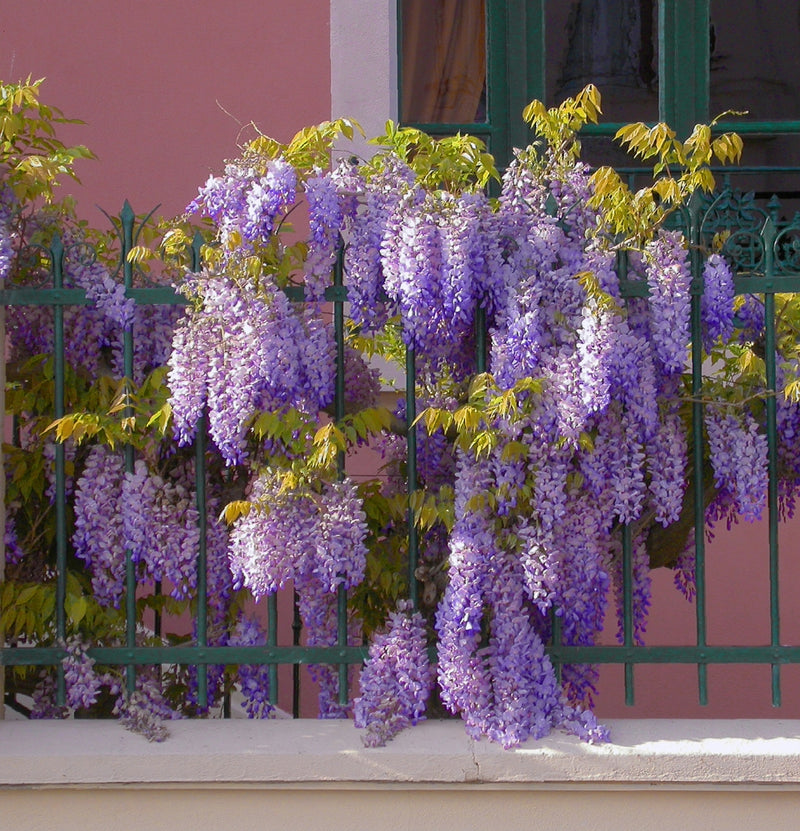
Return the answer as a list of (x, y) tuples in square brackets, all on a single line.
[(329, 754)]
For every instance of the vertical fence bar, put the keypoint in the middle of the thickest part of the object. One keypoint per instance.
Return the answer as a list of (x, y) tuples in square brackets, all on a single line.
[(339, 409), (696, 289), (202, 558), (480, 340), (297, 628), (627, 555), (59, 370), (272, 641), (411, 473), (127, 218), (768, 235), (202, 522), (627, 609)]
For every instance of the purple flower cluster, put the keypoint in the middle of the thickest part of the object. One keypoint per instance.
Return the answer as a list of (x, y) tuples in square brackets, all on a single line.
[(318, 612), (326, 219), (372, 206), (13, 551), (8, 204), (160, 526), (292, 536), (246, 202), (666, 462), (94, 334), (110, 299), (145, 710), (666, 267), (788, 428), (362, 382), (739, 459), (716, 304), (686, 569), (436, 256), (492, 667), (82, 683), (98, 534), (253, 678), (396, 681), (246, 350), (152, 328), (44, 698)]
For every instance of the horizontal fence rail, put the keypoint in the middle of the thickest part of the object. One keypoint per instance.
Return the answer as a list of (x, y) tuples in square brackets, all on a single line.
[(763, 248)]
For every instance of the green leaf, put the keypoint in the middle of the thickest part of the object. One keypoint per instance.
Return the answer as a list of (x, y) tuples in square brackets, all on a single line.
[(76, 608)]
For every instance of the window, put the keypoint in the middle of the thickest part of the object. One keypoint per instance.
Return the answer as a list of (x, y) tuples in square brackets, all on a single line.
[(487, 47), (679, 61)]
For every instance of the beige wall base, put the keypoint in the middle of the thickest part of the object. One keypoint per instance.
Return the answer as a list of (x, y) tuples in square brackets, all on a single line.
[(316, 775)]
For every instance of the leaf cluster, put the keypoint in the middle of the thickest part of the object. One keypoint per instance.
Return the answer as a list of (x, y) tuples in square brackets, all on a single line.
[(474, 425), (680, 169), (309, 149), (32, 158), (456, 164), (558, 126), (116, 412)]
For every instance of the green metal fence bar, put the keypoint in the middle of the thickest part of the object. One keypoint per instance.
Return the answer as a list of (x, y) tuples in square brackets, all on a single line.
[(769, 236), (609, 128), (411, 473), (339, 410), (627, 543), (627, 609), (181, 654), (696, 289), (128, 218), (202, 522), (202, 563), (768, 277), (59, 370), (272, 642), (565, 654)]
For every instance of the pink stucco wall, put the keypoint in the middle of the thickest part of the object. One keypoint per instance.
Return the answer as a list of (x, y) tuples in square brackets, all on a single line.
[(737, 576), (165, 86)]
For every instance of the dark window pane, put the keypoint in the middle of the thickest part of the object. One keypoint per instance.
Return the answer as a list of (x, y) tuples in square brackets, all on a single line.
[(608, 43), (755, 66), (755, 58)]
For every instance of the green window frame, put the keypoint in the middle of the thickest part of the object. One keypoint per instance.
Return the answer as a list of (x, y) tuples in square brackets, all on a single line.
[(516, 57)]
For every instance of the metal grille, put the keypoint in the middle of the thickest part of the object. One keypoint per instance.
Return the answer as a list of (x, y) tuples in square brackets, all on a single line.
[(764, 249)]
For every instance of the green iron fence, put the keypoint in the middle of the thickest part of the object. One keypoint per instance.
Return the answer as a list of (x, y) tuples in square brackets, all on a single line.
[(765, 249)]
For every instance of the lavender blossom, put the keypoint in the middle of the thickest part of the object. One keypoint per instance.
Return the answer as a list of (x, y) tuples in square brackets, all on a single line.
[(326, 220), (253, 678), (739, 459), (82, 683), (716, 304), (145, 711), (98, 534), (396, 681), (669, 279)]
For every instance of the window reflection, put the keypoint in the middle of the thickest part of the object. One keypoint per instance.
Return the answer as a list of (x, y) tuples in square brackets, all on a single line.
[(608, 43)]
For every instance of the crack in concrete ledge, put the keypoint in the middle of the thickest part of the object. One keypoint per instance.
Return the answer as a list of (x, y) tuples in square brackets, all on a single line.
[(474, 758)]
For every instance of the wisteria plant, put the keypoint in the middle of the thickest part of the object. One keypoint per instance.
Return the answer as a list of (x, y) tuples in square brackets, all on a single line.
[(552, 411)]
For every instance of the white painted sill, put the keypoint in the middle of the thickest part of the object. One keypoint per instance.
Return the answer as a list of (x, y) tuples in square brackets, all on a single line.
[(325, 754)]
